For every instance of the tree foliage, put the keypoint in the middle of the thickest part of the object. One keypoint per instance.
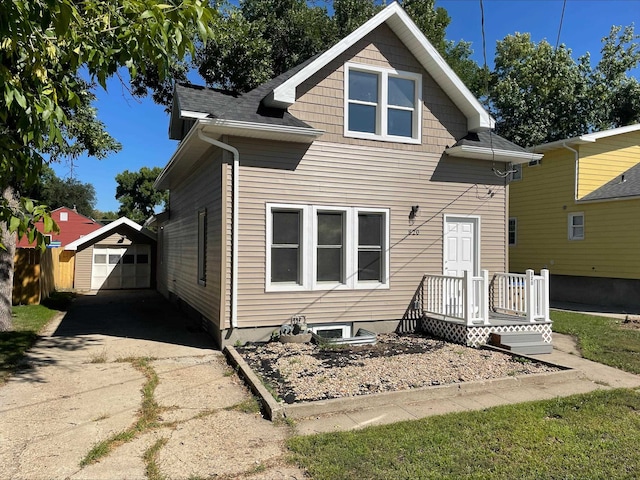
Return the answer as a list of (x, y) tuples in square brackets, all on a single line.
[(44, 45), (55, 192), (257, 40), (136, 194), (541, 94)]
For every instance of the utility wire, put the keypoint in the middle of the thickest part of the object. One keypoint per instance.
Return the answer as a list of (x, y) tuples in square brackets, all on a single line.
[(564, 6)]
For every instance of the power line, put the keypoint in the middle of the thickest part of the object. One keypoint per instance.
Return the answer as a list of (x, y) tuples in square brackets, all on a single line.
[(564, 6)]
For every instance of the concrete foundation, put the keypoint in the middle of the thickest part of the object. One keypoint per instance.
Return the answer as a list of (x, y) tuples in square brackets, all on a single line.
[(610, 292)]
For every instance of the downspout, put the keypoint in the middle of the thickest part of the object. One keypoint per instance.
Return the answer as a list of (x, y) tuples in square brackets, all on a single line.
[(235, 174), (575, 183)]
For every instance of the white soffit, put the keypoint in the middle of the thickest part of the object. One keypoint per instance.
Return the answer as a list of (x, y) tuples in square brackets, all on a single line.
[(587, 138), (478, 118)]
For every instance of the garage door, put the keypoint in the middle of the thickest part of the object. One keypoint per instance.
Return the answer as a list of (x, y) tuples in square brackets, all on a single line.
[(121, 267)]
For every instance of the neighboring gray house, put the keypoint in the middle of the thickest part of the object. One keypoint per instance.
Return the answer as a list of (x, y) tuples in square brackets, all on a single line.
[(330, 191)]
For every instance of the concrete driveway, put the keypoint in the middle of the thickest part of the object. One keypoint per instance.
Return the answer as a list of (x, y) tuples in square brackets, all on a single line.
[(82, 387)]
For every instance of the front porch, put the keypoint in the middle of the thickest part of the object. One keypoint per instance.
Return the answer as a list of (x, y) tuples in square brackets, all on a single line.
[(468, 309)]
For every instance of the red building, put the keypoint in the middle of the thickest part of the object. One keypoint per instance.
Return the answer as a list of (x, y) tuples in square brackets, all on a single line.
[(72, 227)]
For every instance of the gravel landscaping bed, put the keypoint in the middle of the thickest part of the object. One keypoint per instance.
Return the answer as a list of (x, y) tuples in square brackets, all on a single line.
[(307, 372)]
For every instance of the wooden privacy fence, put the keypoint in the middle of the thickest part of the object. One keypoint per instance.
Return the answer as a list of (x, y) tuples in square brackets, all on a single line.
[(36, 274)]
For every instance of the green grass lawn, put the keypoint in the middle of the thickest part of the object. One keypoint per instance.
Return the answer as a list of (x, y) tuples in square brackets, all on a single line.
[(595, 435), (584, 436), (603, 340), (28, 321)]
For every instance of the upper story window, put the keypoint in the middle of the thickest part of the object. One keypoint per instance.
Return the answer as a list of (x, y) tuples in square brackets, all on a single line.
[(382, 104)]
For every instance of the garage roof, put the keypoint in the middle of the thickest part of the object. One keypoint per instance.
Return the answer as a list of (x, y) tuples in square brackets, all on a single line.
[(107, 230)]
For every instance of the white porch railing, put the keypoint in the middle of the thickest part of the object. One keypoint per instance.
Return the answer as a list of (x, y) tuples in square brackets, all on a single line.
[(525, 294), (466, 298), (463, 298)]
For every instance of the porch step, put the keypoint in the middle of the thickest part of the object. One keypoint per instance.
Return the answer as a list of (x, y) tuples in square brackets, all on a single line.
[(527, 343)]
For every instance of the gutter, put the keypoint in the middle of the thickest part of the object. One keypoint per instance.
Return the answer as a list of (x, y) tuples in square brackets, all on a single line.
[(577, 170), (234, 221)]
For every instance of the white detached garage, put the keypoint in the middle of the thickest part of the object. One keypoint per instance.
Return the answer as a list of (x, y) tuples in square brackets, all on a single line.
[(120, 255)]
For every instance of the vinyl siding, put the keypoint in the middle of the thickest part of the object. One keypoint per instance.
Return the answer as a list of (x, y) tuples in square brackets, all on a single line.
[(84, 262), (602, 161), (329, 174), (200, 190), (320, 99), (544, 198)]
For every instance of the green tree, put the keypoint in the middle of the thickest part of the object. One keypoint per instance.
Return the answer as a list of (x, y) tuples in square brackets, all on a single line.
[(260, 39), (43, 47), (136, 194), (55, 192), (540, 94), (101, 216)]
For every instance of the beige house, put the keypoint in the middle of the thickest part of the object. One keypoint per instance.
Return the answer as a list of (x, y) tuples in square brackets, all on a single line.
[(341, 192)]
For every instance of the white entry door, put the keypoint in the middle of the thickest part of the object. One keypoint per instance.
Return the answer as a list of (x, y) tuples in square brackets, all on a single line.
[(460, 246), (460, 252)]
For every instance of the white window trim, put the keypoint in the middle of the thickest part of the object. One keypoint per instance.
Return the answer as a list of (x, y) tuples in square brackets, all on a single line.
[(346, 329), (309, 252), (381, 118), (570, 225), (371, 284), (515, 232), (304, 249), (348, 252)]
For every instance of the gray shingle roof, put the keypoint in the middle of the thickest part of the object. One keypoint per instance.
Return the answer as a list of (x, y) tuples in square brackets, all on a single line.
[(247, 107), (488, 140), (625, 185)]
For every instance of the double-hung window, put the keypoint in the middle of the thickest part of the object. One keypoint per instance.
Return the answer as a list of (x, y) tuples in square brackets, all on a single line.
[(330, 252), (319, 248), (576, 226), (370, 247), (382, 104), (286, 247)]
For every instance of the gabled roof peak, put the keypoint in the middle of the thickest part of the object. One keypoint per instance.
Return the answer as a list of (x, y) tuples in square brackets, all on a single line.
[(478, 119)]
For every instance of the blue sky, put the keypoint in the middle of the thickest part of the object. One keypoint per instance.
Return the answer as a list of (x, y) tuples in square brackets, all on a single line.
[(141, 126)]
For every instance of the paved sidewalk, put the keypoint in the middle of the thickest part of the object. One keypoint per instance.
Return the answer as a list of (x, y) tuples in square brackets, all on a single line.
[(80, 390), (590, 376)]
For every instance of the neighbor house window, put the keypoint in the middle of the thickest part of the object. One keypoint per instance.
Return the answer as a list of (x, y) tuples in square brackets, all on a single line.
[(382, 104), (64, 216), (534, 163), (513, 230), (516, 172), (202, 247), (576, 226), (317, 248)]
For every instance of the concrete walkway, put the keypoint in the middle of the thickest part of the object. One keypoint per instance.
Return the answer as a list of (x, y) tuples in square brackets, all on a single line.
[(81, 388)]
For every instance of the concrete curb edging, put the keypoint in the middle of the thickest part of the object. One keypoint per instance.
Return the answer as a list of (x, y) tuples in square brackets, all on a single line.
[(273, 409), (277, 410)]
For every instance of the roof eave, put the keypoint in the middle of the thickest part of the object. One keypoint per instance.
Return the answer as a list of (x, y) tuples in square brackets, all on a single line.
[(492, 154), (238, 128), (110, 226)]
